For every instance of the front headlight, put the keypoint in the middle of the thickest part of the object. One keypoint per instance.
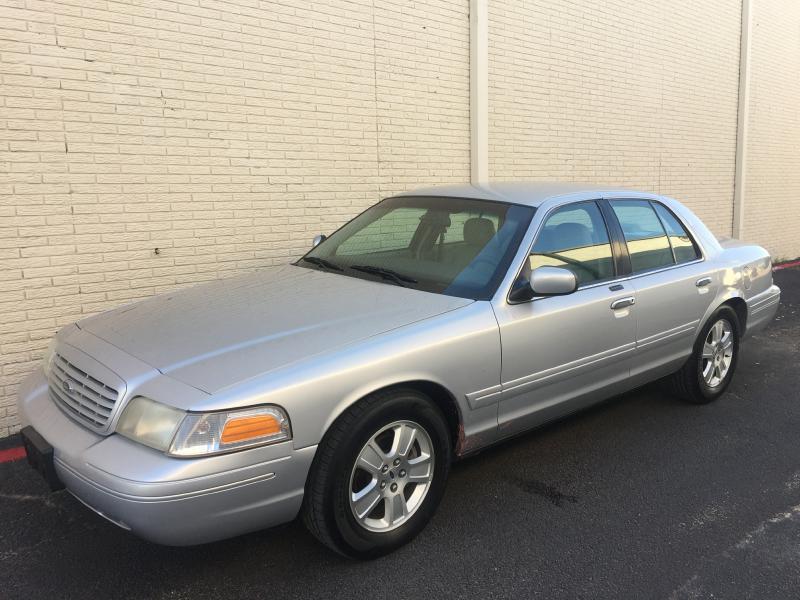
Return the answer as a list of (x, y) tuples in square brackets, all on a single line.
[(200, 434), (149, 422)]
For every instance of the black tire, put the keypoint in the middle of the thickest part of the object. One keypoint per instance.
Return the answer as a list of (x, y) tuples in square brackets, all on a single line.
[(688, 383), (326, 505)]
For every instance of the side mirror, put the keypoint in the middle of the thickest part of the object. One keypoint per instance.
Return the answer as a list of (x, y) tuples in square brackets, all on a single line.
[(553, 281), (318, 239)]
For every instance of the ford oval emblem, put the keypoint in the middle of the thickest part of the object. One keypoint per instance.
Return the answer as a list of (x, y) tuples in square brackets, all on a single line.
[(67, 385)]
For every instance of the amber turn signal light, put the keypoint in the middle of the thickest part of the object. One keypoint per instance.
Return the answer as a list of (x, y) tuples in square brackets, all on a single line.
[(247, 428)]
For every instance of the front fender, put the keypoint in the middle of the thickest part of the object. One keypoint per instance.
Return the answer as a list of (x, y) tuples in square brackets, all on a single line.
[(459, 351)]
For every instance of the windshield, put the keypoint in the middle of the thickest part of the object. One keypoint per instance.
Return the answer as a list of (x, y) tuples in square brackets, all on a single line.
[(453, 246)]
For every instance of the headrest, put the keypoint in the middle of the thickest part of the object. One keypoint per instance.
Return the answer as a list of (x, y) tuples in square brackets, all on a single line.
[(478, 231), (573, 235)]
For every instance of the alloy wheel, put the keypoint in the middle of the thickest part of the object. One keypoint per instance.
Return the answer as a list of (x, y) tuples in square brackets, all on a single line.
[(391, 476), (717, 354)]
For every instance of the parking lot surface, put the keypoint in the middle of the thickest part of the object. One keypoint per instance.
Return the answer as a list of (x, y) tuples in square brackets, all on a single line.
[(640, 497)]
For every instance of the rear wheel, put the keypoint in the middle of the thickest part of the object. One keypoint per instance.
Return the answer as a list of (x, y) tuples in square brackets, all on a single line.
[(709, 371), (379, 474)]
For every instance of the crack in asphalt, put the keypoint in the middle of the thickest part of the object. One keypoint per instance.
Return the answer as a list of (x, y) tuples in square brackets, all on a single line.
[(761, 530), (768, 545)]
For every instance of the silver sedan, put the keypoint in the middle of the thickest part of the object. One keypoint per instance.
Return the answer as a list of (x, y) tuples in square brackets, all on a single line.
[(342, 387)]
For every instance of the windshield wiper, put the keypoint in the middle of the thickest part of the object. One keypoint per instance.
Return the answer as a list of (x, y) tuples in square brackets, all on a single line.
[(398, 278), (322, 262)]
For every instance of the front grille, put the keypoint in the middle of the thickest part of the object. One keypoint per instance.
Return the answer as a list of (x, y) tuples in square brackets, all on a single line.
[(86, 398)]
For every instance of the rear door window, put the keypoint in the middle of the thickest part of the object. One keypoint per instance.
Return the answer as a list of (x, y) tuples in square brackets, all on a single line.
[(648, 245)]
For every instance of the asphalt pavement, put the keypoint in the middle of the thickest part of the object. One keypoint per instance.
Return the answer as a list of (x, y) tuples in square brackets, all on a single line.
[(640, 497)]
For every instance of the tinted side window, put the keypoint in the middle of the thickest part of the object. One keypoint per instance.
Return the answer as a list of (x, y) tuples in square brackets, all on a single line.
[(647, 241), (683, 247), (575, 237)]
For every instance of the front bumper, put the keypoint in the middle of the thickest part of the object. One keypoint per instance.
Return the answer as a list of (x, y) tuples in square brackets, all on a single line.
[(167, 500)]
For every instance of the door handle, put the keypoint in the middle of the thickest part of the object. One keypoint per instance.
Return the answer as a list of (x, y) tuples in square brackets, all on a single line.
[(703, 282), (623, 303)]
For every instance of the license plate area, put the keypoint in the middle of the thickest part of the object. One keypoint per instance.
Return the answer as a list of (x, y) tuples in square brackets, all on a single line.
[(40, 456)]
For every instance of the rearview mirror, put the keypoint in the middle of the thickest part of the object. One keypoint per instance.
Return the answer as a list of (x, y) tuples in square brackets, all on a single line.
[(553, 281), (318, 239)]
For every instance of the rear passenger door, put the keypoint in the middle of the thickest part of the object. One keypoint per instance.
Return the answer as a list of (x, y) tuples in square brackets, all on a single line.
[(674, 285)]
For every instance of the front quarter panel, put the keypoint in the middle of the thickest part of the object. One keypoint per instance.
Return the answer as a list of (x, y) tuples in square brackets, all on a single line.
[(459, 351)]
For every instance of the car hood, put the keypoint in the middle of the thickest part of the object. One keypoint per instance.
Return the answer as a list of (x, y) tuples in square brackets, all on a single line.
[(214, 335)]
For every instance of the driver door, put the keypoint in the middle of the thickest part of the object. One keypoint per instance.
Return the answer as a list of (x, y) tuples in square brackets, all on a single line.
[(561, 353)]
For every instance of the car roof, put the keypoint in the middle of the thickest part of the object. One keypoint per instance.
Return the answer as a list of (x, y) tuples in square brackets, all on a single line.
[(530, 193)]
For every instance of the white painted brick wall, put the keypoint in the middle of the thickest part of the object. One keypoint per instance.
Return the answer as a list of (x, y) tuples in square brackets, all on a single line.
[(772, 184), (226, 134), (642, 94)]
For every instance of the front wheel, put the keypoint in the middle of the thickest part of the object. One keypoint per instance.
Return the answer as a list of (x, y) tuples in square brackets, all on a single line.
[(379, 474), (709, 371)]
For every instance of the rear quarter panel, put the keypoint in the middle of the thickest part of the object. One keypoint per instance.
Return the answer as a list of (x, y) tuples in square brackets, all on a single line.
[(745, 272)]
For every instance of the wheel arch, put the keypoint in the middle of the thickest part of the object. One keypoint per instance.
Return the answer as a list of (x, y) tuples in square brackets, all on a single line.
[(739, 306), (438, 393), (731, 297), (446, 402)]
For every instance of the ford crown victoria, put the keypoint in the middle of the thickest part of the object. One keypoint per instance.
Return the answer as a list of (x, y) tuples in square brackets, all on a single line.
[(341, 387)]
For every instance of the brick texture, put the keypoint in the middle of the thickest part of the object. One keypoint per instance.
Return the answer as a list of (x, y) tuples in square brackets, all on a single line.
[(642, 94), (223, 134), (772, 177)]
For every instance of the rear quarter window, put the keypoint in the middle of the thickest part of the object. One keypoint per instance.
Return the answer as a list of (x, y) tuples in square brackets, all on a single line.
[(683, 246)]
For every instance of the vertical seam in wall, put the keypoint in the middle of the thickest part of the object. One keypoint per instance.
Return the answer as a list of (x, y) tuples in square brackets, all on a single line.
[(742, 117), (479, 90)]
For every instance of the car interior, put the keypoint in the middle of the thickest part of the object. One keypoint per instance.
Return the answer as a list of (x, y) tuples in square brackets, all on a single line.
[(439, 246)]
